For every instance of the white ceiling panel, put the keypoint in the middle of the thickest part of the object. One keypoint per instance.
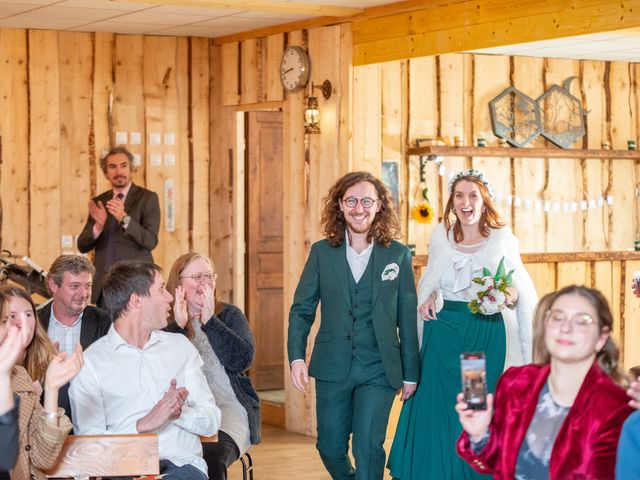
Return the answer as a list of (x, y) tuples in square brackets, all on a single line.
[(195, 31), (205, 12), (130, 7), (38, 23), (78, 15), (617, 45), (13, 8), (118, 27), (167, 19)]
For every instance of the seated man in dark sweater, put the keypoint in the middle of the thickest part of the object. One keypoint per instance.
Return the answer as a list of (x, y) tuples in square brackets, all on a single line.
[(68, 319)]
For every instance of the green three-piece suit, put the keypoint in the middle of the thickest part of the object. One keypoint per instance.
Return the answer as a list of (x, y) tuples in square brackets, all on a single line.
[(365, 348)]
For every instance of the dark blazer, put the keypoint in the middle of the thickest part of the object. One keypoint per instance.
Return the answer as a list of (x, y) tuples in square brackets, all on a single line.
[(325, 280), (95, 324), (585, 447), (134, 243)]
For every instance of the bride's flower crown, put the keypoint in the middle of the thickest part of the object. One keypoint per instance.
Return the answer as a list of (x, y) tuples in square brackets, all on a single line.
[(471, 173)]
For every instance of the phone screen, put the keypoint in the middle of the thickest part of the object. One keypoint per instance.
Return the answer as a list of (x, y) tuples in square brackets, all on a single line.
[(474, 380)]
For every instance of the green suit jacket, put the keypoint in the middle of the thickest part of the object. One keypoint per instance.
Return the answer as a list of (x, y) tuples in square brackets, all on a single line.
[(325, 279)]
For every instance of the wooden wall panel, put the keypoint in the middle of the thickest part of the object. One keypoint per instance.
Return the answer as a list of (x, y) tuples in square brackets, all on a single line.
[(273, 46), (229, 78), (76, 98), (423, 123), (594, 171), (564, 177), (220, 174), (529, 174), (163, 68), (44, 146), (128, 110), (299, 233), (14, 132), (544, 277), (451, 104), (103, 88), (367, 113), (622, 181), (199, 157), (250, 77), (491, 74)]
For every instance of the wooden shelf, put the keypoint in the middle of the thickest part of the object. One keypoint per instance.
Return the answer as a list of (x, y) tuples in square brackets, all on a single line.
[(512, 152), (557, 257)]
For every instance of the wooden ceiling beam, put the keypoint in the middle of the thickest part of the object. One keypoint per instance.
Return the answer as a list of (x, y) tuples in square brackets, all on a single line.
[(473, 24), (259, 5)]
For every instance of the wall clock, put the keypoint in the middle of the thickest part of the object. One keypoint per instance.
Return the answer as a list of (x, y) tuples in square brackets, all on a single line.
[(294, 69)]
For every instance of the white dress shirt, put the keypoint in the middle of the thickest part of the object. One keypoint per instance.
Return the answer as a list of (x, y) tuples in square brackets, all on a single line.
[(120, 383), (358, 261)]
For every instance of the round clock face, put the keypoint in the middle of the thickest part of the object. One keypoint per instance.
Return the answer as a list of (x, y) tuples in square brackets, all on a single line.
[(294, 69)]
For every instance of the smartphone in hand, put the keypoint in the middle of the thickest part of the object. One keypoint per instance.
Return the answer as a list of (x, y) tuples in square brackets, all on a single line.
[(474, 380)]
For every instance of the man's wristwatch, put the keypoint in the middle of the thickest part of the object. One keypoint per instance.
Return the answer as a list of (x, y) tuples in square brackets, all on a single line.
[(125, 220)]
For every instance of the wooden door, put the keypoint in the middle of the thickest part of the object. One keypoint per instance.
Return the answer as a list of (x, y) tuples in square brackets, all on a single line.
[(264, 260)]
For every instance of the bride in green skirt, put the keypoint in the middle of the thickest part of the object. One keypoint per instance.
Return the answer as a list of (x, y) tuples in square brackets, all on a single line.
[(471, 237)]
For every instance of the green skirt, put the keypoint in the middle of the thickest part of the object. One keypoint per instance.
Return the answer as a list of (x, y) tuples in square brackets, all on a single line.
[(424, 446)]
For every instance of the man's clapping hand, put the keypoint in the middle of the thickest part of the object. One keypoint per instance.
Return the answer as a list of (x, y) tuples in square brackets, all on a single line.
[(167, 409)]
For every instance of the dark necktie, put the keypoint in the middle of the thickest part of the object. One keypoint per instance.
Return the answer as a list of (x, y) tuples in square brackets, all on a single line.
[(111, 228)]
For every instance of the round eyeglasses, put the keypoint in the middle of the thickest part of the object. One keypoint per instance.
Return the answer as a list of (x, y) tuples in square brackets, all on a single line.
[(352, 202), (579, 321), (200, 277)]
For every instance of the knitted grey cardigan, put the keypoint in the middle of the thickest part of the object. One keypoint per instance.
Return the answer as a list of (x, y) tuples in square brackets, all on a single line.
[(232, 341)]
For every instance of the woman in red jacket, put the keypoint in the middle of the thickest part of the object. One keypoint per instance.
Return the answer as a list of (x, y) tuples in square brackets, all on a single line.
[(560, 418)]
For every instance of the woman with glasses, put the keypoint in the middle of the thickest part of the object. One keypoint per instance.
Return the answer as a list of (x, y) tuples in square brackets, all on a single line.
[(222, 335), (471, 237), (561, 417)]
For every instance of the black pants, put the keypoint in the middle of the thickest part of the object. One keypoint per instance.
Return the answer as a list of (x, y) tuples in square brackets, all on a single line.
[(220, 455)]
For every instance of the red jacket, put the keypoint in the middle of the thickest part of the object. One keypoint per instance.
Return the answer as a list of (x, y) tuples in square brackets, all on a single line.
[(586, 444)]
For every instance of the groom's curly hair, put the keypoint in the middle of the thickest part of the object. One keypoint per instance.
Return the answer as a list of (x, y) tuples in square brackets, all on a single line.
[(385, 225)]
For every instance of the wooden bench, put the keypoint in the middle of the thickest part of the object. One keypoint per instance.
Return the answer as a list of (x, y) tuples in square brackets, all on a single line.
[(87, 456)]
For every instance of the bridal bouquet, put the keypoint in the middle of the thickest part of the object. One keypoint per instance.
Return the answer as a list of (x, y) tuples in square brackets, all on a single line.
[(489, 292)]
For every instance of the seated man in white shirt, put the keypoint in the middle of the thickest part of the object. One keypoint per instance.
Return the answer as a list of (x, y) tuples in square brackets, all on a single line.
[(138, 379)]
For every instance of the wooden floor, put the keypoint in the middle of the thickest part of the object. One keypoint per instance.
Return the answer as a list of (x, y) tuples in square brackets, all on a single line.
[(285, 455)]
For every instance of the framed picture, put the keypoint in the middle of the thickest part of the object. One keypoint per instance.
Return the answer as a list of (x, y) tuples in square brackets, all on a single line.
[(390, 179)]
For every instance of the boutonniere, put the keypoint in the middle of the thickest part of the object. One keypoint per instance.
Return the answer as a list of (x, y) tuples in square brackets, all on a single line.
[(390, 272)]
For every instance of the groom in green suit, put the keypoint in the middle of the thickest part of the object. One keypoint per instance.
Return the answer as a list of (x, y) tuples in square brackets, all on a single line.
[(366, 349)]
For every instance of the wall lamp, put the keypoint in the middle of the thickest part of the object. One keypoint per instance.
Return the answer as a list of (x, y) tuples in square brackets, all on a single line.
[(312, 116), (312, 113)]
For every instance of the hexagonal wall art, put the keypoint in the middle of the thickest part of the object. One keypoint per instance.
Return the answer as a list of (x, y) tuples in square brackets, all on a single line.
[(561, 115), (514, 117)]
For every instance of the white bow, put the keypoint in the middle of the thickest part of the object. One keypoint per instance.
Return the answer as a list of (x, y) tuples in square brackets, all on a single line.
[(463, 267)]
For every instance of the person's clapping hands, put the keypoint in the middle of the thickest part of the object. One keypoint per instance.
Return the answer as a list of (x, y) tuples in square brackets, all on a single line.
[(167, 409), (209, 303), (180, 310), (12, 347), (63, 368)]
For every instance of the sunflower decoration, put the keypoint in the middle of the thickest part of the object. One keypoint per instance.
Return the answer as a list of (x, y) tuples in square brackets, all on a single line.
[(422, 212)]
